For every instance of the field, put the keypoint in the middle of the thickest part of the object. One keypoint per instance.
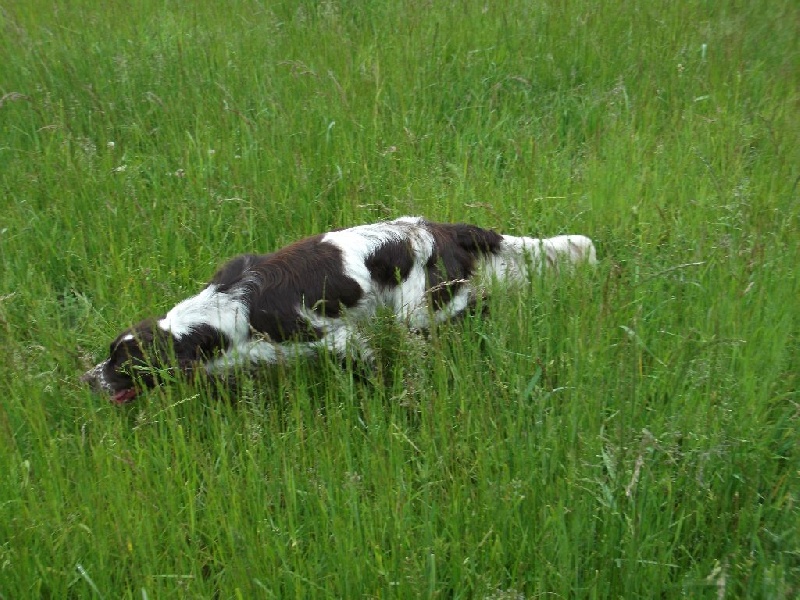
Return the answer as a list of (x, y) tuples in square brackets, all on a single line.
[(631, 431)]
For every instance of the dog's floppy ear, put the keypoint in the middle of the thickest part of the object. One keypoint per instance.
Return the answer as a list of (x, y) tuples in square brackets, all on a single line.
[(202, 343)]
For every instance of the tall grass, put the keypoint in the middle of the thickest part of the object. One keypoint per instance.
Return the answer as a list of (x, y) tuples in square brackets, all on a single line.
[(627, 432)]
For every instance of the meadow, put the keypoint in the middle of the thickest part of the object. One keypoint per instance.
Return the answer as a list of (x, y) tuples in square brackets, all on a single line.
[(631, 431)]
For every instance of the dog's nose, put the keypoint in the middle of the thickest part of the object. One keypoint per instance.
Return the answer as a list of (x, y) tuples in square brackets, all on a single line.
[(92, 377)]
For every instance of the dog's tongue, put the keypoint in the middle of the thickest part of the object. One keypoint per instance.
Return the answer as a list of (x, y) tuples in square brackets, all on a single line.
[(123, 396)]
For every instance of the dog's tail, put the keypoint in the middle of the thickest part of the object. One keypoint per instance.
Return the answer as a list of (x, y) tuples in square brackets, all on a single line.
[(516, 258)]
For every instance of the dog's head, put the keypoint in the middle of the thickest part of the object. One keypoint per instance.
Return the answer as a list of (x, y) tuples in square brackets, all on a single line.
[(139, 358), (147, 355)]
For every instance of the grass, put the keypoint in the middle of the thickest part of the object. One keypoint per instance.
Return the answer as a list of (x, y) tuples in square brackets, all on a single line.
[(629, 432)]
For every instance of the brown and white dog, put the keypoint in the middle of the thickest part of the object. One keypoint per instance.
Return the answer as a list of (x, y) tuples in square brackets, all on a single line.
[(313, 294)]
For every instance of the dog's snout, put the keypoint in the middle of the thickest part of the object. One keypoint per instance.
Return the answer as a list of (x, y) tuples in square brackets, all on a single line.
[(93, 378)]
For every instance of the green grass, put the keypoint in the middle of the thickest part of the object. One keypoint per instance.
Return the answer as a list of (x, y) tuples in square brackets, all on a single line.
[(628, 432)]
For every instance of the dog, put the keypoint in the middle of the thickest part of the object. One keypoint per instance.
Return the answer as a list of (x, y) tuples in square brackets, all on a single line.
[(314, 294)]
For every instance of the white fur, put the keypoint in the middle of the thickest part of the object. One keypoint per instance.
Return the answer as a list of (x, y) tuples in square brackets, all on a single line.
[(520, 257), (223, 311), (356, 245)]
